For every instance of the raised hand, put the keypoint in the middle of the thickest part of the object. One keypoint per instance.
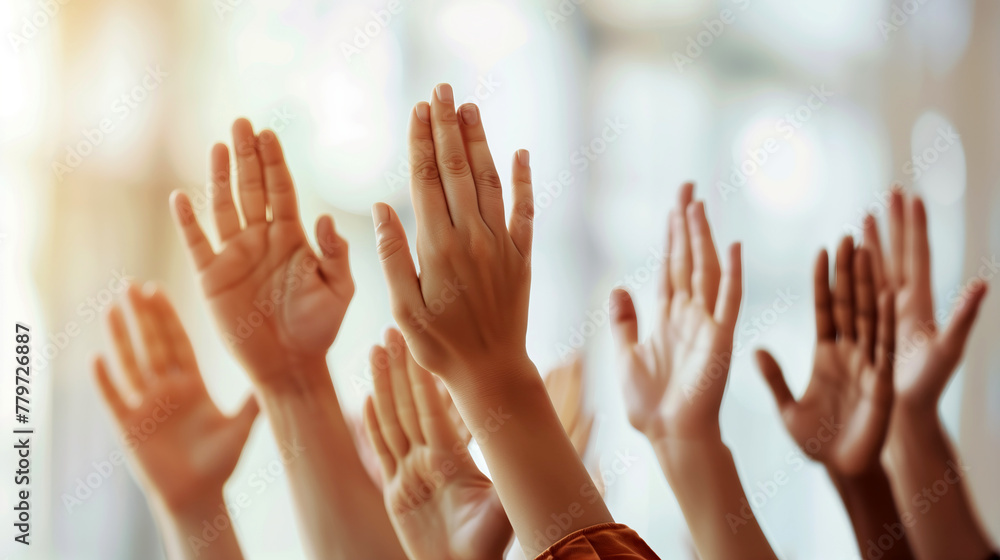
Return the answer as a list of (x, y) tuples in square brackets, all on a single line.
[(440, 504), (842, 418), (465, 315), (918, 451), (179, 444), (674, 380), (674, 383), (278, 303), (927, 354)]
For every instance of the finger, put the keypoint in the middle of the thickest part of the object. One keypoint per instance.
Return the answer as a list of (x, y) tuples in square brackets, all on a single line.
[(522, 218), (112, 397), (429, 201), (918, 254), (897, 238), (385, 407), (843, 290), (253, 199), (666, 288), (488, 188), (402, 394), (956, 334), (731, 290), (452, 161), (375, 435), (241, 424), (825, 329), (197, 244), (873, 244), (680, 251), (397, 264), (277, 179), (177, 340), (775, 380), (437, 427), (865, 315), (335, 264), (707, 272), (227, 219), (885, 345), (624, 321), (154, 346), (124, 351)]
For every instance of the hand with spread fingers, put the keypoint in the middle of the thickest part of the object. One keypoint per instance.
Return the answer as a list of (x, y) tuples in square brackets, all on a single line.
[(465, 315), (180, 445), (441, 505), (842, 418), (278, 303), (279, 306), (919, 453), (675, 380)]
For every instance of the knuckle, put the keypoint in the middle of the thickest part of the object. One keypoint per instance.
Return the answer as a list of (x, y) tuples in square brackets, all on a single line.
[(389, 246), (488, 178), (454, 163), (426, 171)]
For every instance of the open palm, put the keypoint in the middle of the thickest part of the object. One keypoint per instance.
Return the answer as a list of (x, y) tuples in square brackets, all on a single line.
[(926, 354), (674, 382), (441, 505), (179, 442), (276, 301), (842, 419)]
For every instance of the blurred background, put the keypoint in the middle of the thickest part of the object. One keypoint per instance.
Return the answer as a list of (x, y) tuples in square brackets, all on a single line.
[(792, 118)]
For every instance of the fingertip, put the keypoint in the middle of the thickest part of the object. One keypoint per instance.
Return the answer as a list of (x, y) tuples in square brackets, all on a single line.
[(468, 114), (523, 158)]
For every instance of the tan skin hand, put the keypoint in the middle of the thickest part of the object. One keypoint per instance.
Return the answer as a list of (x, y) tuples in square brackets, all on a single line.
[(842, 419), (179, 442), (927, 354), (441, 505), (278, 303), (674, 381)]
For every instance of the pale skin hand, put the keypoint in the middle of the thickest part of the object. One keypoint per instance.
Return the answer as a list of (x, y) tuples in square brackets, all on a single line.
[(279, 305), (674, 383), (266, 268), (441, 505), (186, 459), (918, 451), (842, 419), (465, 316)]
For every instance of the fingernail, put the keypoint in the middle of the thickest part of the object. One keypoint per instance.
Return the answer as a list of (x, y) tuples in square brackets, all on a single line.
[(266, 136), (444, 94), (149, 288), (523, 157), (380, 214), (424, 112), (470, 114)]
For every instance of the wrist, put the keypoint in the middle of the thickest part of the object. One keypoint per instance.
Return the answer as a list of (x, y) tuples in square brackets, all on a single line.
[(493, 376), (296, 377), (205, 506), (680, 454)]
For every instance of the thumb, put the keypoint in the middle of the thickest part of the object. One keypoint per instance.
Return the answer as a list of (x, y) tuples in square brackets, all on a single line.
[(334, 264), (624, 321), (240, 424), (775, 379), (397, 263), (956, 334)]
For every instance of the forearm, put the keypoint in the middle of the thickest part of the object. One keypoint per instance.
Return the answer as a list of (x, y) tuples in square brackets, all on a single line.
[(203, 530), (928, 482), (703, 476), (341, 513), (538, 475), (877, 525)]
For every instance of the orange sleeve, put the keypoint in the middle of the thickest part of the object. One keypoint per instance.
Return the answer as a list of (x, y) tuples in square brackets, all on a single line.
[(610, 541)]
